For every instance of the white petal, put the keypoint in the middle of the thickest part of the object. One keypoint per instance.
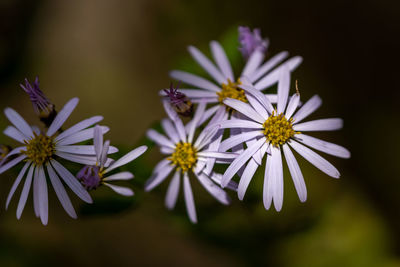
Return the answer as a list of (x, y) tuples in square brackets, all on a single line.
[(194, 123), (323, 146), (245, 109), (125, 191), (170, 130), (13, 133), (269, 65), (43, 196), (87, 160), (246, 178), (19, 122), (83, 149), (25, 191), (263, 99), (268, 183), (173, 190), (296, 174), (71, 181), (277, 170), (252, 63), (315, 159), (272, 77), (220, 155), (222, 60), (158, 177), (16, 183), (194, 80), (320, 125), (81, 136), (240, 161), (238, 139), (309, 107), (293, 104), (197, 93), (189, 201), (12, 163), (79, 126), (60, 192), (176, 120), (207, 65), (62, 116), (159, 139), (216, 191), (257, 106), (106, 150), (283, 89), (98, 142), (121, 176), (127, 158), (209, 112), (234, 123)]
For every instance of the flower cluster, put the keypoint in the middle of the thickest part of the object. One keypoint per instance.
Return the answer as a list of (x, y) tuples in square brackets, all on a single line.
[(263, 126)]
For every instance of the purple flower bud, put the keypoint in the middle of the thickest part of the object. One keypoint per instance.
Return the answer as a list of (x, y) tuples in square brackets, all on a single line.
[(179, 101), (42, 106), (89, 177), (251, 41)]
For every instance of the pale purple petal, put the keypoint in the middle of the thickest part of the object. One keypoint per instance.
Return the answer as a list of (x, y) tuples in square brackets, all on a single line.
[(159, 139), (246, 178), (238, 139), (331, 124), (292, 106), (121, 176), (195, 122), (12, 163), (194, 80), (78, 127), (309, 107), (13, 133), (127, 158), (81, 136), (252, 64), (124, 191), (327, 147), (60, 192), (170, 130), (268, 65), (234, 123), (16, 183), (315, 159), (25, 192), (98, 142), (62, 116), (216, 191), (245, 109), (19, 123), (72, 182), (189, 201), (296, 174), (283, 89), (158, 177), (173, 190), (222, 60)]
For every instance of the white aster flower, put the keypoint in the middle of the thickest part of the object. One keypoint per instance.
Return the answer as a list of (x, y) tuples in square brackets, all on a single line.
[(225, 85), (277, 130), (40, 152), (92, 176), (187, 154)]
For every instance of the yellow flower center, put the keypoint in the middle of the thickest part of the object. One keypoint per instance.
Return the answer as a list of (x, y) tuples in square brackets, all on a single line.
[(40, 149), (184, 156), (278, 130), (231, 90)]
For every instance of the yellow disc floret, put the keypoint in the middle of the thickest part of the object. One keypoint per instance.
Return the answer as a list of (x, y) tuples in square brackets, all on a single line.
[(39, 149), (231, 90), (184, 156), (278, 130)]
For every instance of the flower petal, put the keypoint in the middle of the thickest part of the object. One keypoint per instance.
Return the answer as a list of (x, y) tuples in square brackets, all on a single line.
[(98, 142), (207, 65), (16, 183), (124, 191), (240, 161), (238, 139), (283, 88), (127, 158), (246, 178), (331, 124), (83, 149), (62, 116), (195, 122), (235, 123), (268, 65), (189, 201), (25, 191), (71, 181), (245, 109), (78, 127), (159, 139), (292, 106), (252, 64), (309, 107), (217, 192), (60, 192), (327, 147), (315, 159), (296, 174), (15, 134), (194, 80), (19, 122), (42, 198), (81, 136), (222, 60), (173, 190), (170, 130), (12, 163), (158, 177)]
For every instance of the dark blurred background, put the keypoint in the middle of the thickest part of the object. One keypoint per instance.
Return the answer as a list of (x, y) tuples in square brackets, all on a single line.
[(115, 56)]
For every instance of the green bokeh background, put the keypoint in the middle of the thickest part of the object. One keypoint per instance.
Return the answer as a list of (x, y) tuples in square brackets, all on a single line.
[(115, 56)]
